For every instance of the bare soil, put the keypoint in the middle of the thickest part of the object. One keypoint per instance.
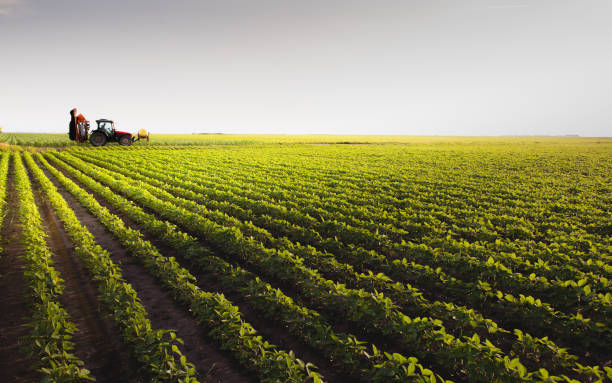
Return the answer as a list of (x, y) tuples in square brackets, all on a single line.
[(15, 366), (211, 364), (279, 336)]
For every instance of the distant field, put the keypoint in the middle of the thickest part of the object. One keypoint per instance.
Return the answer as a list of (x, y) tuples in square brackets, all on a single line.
[(277, 259), (57, 139)]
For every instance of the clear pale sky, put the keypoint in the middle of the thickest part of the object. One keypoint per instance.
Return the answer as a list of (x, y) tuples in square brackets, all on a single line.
[(426, 67)]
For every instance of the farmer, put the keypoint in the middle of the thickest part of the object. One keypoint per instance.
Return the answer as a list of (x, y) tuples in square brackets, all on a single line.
[(74, 133)]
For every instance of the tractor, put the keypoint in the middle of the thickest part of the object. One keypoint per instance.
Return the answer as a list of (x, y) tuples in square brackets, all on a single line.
[(79, 131), (106, 133)]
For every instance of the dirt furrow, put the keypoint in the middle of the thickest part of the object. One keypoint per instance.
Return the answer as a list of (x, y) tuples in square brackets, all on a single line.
[(14, 312), (211, 364)]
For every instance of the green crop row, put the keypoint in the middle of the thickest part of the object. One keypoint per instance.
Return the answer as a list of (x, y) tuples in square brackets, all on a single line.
[(391, 185), (303, 216), (4, 165), (50, 340), (461, 320), (426, 337), (342, 208), (583, 336), (156, 350), (336, 203), (351, 355), (526, 346), (491, 270), (450, 254), (35, 139), (540, 215), (221, 318), (482, 259)]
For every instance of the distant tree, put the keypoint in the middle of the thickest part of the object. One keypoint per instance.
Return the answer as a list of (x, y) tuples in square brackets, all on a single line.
[(0, 128)]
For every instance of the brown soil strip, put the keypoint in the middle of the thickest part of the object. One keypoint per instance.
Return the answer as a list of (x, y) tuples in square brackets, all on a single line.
[(211, 364), (97, 341), (279, 336), (14, 311)]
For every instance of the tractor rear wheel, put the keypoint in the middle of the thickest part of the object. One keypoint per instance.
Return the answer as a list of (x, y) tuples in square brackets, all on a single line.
[(97, 139), (125, 140)]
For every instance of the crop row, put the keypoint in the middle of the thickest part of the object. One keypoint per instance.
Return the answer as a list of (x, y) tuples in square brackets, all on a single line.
[(50, 339), (393, 181), (537, 315), (218, 315), (443, 186), (373, 312), (444, 189), (156, 350), (443, 219), (568, 294), (35, 139), (387, 238), (353, 356), (4, 166), (454, 220), (457, 319), (474, 260)]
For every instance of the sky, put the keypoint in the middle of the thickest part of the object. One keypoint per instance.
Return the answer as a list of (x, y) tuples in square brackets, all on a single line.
[(407, 67)]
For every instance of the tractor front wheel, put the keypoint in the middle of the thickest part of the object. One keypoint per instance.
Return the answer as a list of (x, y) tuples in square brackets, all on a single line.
[(125, 140), (97, 139)]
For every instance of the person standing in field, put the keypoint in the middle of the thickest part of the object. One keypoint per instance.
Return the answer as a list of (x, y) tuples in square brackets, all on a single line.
[(74, 133)]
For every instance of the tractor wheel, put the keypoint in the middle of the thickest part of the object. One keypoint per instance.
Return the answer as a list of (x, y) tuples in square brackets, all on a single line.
[(97, 139), (125, 140)]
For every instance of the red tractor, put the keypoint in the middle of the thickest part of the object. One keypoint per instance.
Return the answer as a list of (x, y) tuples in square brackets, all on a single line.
[(79, 131), (106, 133)]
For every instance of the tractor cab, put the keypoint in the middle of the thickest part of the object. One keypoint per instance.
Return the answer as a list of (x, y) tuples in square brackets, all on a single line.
[(107, 126)]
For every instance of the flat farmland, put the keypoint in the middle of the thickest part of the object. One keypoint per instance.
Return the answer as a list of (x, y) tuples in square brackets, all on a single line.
[(308, 260)]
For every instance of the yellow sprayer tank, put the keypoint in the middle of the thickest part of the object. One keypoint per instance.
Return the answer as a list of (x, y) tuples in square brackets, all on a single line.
[(142, 133)]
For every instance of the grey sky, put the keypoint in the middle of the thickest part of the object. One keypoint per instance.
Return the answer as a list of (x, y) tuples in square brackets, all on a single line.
[(424, 67)]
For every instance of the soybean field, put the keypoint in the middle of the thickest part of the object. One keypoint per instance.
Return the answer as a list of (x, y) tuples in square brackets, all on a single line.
[(308, 260)]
